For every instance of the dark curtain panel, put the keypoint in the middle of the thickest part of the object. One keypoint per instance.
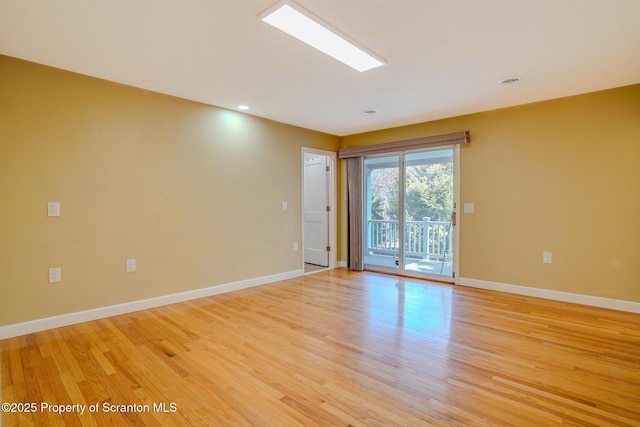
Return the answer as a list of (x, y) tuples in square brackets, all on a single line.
[(355, 212)]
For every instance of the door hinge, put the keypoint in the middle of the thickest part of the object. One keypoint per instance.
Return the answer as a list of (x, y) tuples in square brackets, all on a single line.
[(328, 169), (328, 248), (453, 218), (328, 208), (454, 274)]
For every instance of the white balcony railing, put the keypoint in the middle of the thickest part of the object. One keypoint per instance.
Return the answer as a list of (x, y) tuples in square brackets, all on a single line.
[(426, 239)]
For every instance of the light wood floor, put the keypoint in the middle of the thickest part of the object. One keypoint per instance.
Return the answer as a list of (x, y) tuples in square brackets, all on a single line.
[(337, 348), (308, 268)]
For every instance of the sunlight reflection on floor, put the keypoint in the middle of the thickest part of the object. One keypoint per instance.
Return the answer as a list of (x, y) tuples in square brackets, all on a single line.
[(413, 307)]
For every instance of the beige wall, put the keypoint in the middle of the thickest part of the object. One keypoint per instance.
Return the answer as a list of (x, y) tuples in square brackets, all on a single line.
[(560, 176), (192, 192)]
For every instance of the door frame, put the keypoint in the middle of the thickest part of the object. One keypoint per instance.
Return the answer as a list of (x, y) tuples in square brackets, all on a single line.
[(456, 229), (332, 196), (458, 211)]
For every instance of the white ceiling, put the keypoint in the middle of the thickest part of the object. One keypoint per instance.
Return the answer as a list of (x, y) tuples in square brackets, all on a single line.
[(444, 57)]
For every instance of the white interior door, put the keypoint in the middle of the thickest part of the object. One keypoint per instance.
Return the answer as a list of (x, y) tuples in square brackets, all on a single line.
[(315, 214)]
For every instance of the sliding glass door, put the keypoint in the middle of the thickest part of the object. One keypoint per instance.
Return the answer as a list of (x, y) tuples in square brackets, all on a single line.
[(428, 212), (410, 213)]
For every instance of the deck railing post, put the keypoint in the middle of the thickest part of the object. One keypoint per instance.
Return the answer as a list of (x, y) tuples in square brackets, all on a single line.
[(425, 236)]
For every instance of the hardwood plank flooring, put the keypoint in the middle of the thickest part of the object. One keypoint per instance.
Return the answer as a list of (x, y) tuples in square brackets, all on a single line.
[(336, 348), (308, 268)]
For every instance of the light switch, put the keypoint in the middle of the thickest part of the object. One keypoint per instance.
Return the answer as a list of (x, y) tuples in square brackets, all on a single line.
[(53, 208), (547, 257), (285, 206), (55, 275), (131, 265), (469, 208)]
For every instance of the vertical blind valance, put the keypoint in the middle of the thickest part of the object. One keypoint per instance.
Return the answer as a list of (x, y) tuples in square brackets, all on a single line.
[(406, 145)]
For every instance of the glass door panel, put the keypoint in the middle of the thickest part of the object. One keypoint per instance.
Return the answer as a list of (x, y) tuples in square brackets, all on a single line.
[(382, 236), (428, 212)]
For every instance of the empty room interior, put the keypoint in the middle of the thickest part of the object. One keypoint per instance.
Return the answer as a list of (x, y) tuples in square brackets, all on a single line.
[(208, 221)]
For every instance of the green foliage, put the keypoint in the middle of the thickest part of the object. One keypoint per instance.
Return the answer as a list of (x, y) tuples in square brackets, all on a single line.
[(429, 192)]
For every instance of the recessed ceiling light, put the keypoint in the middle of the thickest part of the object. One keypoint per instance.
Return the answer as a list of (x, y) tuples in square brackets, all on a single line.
[(243, 107), (298, 22)]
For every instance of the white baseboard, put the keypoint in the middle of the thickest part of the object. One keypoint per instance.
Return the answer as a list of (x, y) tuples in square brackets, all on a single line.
[(341, 264), (37, 325), (594, 301)]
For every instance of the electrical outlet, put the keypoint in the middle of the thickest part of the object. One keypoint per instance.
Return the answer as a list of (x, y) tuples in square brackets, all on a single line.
[(55, 275), (53, 208), (547, 257), (131, 265)]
